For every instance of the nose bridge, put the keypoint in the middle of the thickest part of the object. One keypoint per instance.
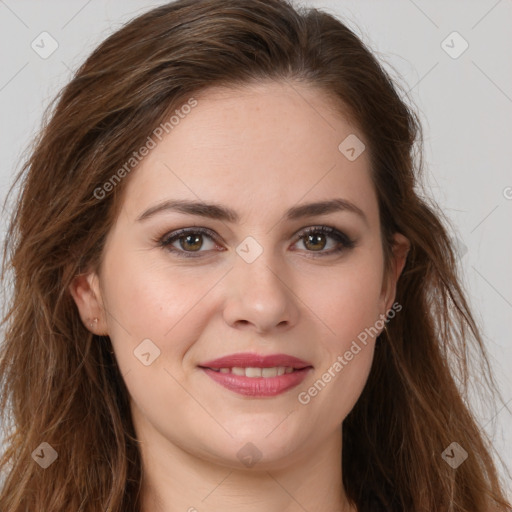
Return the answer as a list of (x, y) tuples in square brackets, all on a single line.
[(257, 268), (258, 292)]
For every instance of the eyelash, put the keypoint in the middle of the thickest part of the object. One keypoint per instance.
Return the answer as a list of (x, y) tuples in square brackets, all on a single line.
[(344, 241)]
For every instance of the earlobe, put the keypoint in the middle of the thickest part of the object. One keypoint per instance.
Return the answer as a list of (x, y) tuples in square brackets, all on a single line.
[(87, 296)]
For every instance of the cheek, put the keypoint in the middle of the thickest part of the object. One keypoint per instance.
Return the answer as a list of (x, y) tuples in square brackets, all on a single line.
[(148, 301), (349, 301), (346, 356), (349, 307)]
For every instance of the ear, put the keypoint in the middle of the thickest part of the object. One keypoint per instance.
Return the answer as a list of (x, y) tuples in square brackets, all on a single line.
[(401, 246), (86, 293)]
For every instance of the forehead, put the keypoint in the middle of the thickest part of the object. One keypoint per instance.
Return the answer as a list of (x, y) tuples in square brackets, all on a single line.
[(259, 149)]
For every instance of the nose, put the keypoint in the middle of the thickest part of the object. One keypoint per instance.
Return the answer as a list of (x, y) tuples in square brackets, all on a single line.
[(260, 296)]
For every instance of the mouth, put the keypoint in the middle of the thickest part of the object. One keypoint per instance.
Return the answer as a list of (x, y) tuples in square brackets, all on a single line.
[(254, 371), (256, 375)]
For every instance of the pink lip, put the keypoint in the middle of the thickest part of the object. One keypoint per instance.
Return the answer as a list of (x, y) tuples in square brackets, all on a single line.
[(257, 386)]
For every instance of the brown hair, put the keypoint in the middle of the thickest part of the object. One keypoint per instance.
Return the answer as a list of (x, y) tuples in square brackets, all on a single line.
[(61, 385)]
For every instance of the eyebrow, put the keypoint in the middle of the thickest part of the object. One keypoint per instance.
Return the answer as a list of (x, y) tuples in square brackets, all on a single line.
[(223, 213)]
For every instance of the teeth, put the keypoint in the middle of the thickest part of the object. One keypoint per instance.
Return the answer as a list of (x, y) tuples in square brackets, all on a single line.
[(257, 372), (252, 372)]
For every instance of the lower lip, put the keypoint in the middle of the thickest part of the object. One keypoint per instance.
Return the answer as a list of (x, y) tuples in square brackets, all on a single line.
[(258, 386)]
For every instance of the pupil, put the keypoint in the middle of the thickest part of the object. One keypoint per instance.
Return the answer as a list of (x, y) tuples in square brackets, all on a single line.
[(197, 241), (310, 237)]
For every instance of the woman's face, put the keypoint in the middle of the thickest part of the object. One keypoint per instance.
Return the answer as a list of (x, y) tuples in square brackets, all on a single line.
[(253, 284)]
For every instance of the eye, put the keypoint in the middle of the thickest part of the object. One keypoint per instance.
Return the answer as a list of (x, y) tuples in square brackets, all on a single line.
[(190, 240), (314, 238)]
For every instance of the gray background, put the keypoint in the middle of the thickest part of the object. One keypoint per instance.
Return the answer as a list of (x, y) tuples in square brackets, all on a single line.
[(465, 104)]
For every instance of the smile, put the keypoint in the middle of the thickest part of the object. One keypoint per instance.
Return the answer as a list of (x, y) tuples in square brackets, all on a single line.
[(256, 372), (257, 375)]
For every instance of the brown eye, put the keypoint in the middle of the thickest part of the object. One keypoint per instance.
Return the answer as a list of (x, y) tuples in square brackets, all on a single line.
[(190, 241), (315, 242), (315, 239)]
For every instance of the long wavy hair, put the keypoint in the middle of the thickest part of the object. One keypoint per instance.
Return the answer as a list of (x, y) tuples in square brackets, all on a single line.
[(61, 384)]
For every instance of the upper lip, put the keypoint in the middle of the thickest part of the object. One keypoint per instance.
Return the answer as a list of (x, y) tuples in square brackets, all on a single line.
[(248, 360)]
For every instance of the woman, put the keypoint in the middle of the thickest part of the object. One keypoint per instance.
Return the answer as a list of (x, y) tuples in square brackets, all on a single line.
[(228, 294)]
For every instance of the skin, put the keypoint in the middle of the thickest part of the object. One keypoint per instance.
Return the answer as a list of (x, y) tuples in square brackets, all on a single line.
[(259, 150)]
